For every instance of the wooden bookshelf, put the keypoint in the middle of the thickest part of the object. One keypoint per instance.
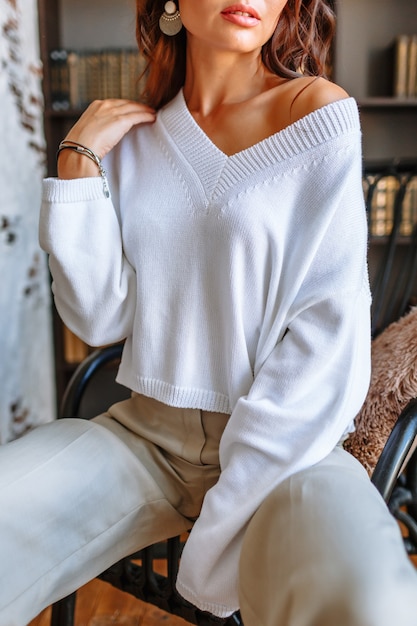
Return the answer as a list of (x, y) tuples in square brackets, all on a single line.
[(365, 66)]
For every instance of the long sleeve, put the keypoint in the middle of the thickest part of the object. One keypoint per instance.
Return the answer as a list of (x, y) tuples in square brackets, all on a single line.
[(292, 418), (305, 394), (94, 286)]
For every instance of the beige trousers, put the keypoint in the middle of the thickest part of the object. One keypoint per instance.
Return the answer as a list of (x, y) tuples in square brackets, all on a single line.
[(76, 496), (323, 550)]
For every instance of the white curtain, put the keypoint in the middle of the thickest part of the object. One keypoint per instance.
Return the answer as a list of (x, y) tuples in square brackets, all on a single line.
[(27, 394)]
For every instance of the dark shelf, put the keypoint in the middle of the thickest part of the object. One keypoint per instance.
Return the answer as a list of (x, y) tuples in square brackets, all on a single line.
[(388, 103), (68, 114), (375, 240)]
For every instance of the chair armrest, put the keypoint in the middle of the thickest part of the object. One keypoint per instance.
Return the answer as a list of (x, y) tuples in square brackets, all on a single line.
[(74, 391), (397, 451)]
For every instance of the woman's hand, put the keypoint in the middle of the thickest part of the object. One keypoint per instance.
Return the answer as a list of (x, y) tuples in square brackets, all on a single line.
[(100, 128)]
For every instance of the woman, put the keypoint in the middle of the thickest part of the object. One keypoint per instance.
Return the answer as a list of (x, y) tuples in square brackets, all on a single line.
[(227, 246)]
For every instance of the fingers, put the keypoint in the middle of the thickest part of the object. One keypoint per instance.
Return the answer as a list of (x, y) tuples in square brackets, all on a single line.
[(105, 122)]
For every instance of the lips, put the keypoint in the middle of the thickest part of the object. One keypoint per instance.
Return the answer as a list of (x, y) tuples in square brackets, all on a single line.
[(241, 11)]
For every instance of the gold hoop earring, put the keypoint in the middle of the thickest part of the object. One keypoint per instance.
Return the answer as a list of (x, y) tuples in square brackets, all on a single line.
[(170, 21)]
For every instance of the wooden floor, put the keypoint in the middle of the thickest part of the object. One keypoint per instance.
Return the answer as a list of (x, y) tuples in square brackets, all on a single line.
[(100, 604)]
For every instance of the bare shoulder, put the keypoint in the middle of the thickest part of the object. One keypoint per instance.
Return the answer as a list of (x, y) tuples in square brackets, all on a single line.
[(312, 93)]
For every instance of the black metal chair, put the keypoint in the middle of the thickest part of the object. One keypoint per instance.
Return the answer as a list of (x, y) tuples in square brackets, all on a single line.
[(395, 475), (393, 291)]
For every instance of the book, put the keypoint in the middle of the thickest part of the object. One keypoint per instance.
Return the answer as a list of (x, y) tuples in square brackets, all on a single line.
[(412, 67), (111, 72), (74, 79), (405, 66), (92, 78), (401, 48), (382, 191), (382, 205), (409, 214), (80, 76), (132, 66), (59, 78)]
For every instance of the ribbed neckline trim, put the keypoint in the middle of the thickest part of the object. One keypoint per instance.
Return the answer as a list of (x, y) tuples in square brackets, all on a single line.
[(332, 120), (218, 172)]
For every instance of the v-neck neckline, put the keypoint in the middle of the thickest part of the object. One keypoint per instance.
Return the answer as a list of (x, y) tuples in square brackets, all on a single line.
[(179, 103), (213, 166)]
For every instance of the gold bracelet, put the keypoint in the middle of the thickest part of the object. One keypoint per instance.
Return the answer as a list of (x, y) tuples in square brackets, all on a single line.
[(83, 150)]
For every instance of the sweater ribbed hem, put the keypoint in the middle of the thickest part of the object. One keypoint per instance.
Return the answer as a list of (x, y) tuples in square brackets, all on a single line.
[(172, 395)]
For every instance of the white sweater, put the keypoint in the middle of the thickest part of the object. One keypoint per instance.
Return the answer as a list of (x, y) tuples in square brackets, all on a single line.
[(240, 284)]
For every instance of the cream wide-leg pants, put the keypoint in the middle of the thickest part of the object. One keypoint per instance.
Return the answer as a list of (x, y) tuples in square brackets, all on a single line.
[(76, 496)]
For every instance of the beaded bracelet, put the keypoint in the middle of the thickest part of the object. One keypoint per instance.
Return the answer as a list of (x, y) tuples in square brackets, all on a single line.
[(83, 150)]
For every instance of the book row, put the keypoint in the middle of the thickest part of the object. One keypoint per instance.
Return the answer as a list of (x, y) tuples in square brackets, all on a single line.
[(405, 66), (391, 198), (79, 77)]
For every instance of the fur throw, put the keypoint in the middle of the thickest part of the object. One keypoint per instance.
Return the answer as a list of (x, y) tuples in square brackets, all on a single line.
[(393, 384)]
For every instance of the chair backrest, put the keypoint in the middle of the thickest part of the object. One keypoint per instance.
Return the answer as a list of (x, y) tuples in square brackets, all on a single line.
[(391, 201), (92, 388)]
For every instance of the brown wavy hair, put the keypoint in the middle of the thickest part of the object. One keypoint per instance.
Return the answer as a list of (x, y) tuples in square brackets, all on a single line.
[(300, 45)]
